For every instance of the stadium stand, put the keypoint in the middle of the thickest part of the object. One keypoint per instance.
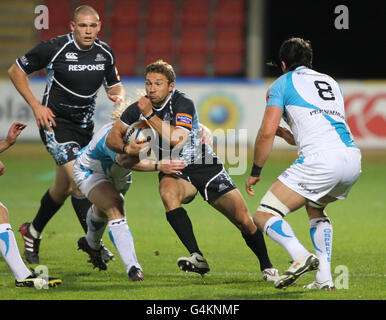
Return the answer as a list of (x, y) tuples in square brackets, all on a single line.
[(199, 37)]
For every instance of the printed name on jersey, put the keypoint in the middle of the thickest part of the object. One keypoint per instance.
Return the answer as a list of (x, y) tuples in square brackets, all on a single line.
[(184, 119), (328, 112), (71, 56), (88, 67)]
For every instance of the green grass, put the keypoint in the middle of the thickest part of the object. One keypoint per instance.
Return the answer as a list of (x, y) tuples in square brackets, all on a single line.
[(359, 240)]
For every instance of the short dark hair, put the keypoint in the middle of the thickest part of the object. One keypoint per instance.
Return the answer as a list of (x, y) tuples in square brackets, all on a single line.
[(296, 52), (162, 67)]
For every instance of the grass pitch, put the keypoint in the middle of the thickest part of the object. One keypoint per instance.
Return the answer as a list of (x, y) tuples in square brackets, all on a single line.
[(358, 245)]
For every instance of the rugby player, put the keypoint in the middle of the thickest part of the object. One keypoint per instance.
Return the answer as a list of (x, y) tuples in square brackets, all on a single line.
[(329, 162)]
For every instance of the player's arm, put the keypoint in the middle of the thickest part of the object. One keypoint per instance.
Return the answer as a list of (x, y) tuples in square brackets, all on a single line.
[(286, 135), (43, 115), (263, 144), (13, 132), (167, 166), (117, 94), (173, 134)]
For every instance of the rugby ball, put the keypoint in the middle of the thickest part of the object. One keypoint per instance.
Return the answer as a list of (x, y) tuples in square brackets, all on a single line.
[(139, 130)]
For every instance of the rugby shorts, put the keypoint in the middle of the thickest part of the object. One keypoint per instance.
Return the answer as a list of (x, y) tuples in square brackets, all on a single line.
[(211, 180), (329, 172), (87, 179), (65, 140)]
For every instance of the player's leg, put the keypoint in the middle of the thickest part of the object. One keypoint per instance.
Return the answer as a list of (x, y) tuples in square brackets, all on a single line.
[(174, 192), (50, 203), (321, 233), (233, 206), (110, 204), (274, 206)]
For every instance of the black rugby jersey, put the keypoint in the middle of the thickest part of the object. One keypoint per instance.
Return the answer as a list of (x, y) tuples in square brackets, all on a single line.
[(178, 111), (73, 76)]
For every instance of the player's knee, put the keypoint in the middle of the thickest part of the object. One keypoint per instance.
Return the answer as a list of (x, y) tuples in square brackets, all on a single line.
[(271, 204), (4, 218)]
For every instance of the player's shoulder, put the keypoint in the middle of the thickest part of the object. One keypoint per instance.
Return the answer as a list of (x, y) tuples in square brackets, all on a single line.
[(57, 42), (279, 84), (180, 97), (103, 45)]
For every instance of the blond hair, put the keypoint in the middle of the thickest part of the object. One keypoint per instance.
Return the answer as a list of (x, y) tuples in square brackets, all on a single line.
[(117, 112)]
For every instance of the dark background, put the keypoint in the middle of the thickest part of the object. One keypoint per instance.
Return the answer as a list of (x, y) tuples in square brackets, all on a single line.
[(359, 52)]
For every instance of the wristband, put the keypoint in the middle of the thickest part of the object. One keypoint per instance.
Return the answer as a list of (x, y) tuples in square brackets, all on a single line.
[(256, 171), (151, 116), (123, 148), (156, 166)]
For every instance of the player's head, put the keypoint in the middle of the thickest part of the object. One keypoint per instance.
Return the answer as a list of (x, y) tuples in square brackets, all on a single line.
[(160, 77), (295, 52), (85, 26)]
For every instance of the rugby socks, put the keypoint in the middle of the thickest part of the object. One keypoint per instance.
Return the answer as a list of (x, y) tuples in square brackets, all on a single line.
[(81, 205), (95, 228), (257, 244), (123, 241), (48, 208), (321, 236), (180, 222), (281, 232), (11, 254)]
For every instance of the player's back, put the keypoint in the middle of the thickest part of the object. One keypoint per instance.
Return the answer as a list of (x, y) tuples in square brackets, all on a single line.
[(313, 106)]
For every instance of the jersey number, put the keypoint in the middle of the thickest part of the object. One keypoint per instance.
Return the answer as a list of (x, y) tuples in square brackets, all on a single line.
[(324, 90)]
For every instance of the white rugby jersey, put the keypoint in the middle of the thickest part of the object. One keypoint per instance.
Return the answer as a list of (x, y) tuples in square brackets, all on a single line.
[(96, 156), (313, 107)]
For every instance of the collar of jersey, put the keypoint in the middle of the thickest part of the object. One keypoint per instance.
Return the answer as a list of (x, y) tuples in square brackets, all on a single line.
[(77, 46), (166, 102)]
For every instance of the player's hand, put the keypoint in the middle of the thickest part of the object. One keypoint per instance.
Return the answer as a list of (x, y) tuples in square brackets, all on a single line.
[(206, 135), (286, 135), (134, 148), (1, 168), (249, 182), (14, 131), (169, 166), (44, 117), (116, 98), (145, 106)]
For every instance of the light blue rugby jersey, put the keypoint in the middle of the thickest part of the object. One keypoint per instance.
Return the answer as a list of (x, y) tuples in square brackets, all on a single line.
[(313, 107)]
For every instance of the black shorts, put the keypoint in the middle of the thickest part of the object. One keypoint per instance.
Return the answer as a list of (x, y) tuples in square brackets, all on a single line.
[(65, 141), (211, 180)]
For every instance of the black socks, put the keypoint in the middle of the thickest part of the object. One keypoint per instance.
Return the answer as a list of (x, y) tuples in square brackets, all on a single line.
[(180, 222), (47, 210), (81, 206), (257, 244)]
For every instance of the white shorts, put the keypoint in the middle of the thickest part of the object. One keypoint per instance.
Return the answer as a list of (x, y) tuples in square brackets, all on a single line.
[(86, 180), (330, 172)]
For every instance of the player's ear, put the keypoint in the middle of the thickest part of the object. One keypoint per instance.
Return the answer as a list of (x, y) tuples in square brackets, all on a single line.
[(72, 25), (283, 66), (99, 26), (171, 87)]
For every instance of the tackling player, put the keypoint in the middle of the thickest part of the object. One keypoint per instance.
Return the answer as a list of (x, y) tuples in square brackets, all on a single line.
[(174, 117), (8, 245), (104, 177), (76, 64), (329, 162)]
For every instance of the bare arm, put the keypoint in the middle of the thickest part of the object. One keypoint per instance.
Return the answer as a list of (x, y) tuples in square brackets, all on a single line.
[(114, 139), (13, 132), (117, 94), (264, 142), (43, 115), (286, 135)]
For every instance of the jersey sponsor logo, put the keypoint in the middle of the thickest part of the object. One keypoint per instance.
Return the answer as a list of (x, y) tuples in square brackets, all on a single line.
[(71, 56), (100, 57), (184, 119), (86, 67)]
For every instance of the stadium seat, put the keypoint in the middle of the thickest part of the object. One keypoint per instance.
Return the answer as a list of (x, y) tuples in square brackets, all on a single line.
[(195, 13), (193, 40), (158, 41), (151, 57), (160, 13), (230, 13), (192, 65), (229, 40), (126, 64), (53, 32), (60, 12), (228, 65), (126, 13), (99, 5), (124, 40)]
